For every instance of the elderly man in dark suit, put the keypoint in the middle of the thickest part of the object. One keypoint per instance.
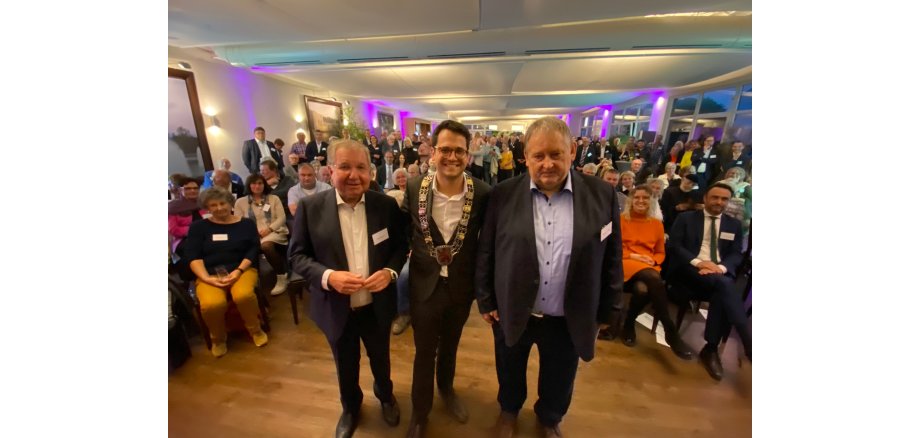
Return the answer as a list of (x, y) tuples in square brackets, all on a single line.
[(446, 212), (256, 148), (549, 272), (704, 252), (317, 148), (348, 244)]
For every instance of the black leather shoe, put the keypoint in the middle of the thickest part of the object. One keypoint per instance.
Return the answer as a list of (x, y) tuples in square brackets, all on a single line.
[(712, 363), (628, 335), (391, 412), (680, 349), (348, 422), (605, 335), (416, 429), (455, 406)]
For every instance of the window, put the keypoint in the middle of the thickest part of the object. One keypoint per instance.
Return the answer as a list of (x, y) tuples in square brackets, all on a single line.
[(684, 106), (745, 103), (717, 101)]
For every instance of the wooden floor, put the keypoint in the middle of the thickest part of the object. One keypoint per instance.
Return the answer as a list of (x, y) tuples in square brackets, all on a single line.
[(288, 389)]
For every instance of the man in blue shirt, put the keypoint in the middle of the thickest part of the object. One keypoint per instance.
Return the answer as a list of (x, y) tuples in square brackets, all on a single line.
[(549, 272)]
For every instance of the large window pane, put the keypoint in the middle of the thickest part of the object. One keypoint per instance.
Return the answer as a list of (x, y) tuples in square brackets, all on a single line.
[(717, 101), (679, 130), (645, 111), (684, 106), (745, 102), (714, 126), (741, 129)]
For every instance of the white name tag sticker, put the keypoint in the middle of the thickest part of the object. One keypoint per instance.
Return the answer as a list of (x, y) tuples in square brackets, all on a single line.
[(266, 207), (701, 168), (606, 230), (206, 216), (219, 237), (727, 236), (380, 236)]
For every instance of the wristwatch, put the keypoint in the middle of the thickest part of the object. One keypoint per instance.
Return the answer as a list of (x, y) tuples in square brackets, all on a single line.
[(392, 275)]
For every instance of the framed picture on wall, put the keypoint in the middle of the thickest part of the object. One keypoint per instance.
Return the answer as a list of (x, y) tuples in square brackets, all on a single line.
[(324, 116), (188, 145), (386, 122)]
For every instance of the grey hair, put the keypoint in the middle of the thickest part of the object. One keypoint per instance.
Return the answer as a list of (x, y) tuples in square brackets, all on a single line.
[(657, 181), (347, 145), (591, 168), (670, 165), (740, 170), (548, 123), (214, 194), (400, 170), (628, 173)]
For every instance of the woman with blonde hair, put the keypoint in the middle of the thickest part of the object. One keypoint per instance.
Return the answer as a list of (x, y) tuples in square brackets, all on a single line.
[(643, 253)]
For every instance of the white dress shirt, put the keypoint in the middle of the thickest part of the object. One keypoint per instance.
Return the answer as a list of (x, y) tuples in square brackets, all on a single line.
[(446, 212), (263, 147), (704, 255), (353, 222)]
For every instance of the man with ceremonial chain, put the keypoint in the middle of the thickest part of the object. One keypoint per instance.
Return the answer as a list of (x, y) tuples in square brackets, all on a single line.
[(446, 211)]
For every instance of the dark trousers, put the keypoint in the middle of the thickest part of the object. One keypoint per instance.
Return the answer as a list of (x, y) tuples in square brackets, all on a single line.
[(438, 323), (362, 325), (726, 305), (504, 174), (476, 171), (558, 364)]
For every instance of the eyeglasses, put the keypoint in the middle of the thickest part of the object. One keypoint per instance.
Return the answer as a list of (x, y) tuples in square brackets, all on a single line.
[(190, 188), (458, 152)]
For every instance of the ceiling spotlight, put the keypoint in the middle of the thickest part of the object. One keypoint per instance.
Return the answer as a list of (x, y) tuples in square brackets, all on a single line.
[(184, 65), (347, 102), (334, 99)]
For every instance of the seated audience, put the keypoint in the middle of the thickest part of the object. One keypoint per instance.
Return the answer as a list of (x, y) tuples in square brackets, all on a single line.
[(643, 254), (739, 206), (276, 184), (308, 186), (704, 252), (225, 165), (182, 212), (222, 179), (677, 151), (325, 174), (610, 175), (291, 169), (413, 170), (589, 169), (656, 187), (737, 158), (627, 182), (223, 250), (670, 176), (680, 198), (267, 211)]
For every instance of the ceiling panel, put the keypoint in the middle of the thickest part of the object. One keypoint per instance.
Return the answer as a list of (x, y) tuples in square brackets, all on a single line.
[(461, 79)]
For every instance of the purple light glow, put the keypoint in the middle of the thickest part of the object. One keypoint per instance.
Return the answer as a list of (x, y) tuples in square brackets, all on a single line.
[(370, 116), (402, 123), (607, 110), (659, 100), (243, 79)]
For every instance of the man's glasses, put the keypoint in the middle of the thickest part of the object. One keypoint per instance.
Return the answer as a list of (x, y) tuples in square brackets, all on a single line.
[(458, 152)]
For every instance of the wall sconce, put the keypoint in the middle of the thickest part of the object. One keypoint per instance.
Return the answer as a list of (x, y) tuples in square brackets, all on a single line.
[(211, 119), (375, 124)]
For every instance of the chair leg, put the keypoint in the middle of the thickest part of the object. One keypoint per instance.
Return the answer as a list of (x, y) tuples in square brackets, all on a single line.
[(205, 333), (654, 324), (681, 312)]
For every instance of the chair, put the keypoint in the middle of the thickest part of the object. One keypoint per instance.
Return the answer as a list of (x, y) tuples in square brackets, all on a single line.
[(192, 301), (296, 286)]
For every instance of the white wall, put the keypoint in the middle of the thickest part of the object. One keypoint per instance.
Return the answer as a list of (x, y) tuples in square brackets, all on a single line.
[(243, 100)]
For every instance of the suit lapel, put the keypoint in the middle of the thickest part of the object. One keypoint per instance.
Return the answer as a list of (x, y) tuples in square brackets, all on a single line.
[(373, 225), (582, 231), (526, 206), (432, 226), (335, 231)]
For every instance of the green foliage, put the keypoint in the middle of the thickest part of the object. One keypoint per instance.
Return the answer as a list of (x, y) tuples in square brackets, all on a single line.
[(355, 127)]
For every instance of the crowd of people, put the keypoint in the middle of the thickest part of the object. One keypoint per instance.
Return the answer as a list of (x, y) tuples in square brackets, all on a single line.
[(542, 230)]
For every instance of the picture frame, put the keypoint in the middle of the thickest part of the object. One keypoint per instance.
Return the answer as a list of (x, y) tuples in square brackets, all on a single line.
[(324, 116), (188, 149)]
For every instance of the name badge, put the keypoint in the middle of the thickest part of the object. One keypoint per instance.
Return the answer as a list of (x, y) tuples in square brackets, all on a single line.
[(380, 236), (266, 207), (206, 216), (219, 237), (727, 236), (606, 230), (701, 168), (739, 162)]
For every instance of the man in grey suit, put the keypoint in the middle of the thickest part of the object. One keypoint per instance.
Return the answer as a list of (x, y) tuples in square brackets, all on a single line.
[(446, 212), (348, 244), (254, 149), (549, 272)]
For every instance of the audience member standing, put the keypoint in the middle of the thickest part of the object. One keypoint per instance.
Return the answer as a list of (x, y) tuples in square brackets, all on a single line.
[(255, 149)]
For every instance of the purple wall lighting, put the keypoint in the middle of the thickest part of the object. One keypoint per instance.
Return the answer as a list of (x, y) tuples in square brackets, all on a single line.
[(608, 112), (370, 116), (659, 101), (402, 123)]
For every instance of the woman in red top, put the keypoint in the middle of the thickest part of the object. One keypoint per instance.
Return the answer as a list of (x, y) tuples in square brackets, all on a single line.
[(643, 253)]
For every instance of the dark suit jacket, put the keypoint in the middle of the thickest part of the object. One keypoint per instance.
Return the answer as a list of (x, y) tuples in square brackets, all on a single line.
[(252, 155), (411, 156), (507, 271), (744, 162), (713, 166), (590, 157), (379, 152), (382, 174), (686, 237), (313, 151), (424, 269), (281, 191), (316, 245)]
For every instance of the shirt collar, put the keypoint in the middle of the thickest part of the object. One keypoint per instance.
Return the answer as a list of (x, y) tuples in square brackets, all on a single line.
[(434, 186), (340, 201), (706, 213), (565, 187)]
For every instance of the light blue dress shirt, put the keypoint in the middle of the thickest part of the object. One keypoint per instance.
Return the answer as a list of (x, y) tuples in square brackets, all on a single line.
[(553, 225)]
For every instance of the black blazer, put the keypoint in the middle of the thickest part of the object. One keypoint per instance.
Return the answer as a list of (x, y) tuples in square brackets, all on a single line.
[(316, 245), (313, 151), (507, 271), (382, 174), (686, 237), (713, 166), (252, 155), (590, 157), (424, 269)]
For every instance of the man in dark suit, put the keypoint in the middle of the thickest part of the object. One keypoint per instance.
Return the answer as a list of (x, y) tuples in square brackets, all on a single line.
[(385, 171), (517, 153), (443, 242), (316, 149), (278, 182), (708, 163), (585, 153), (549, 272), (348, 244), (254, 149), (704, 252)]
